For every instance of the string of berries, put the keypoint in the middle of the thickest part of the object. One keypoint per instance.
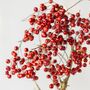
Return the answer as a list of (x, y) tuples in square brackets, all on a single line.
[(63, 46)]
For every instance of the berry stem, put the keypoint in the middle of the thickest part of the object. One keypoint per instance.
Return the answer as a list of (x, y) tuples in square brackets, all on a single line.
[(65, 81), (37, 85), (74, 5), (66, 54), (62, 57)]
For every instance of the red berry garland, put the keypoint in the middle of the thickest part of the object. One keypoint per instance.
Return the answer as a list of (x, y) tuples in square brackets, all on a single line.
[(58, 31)]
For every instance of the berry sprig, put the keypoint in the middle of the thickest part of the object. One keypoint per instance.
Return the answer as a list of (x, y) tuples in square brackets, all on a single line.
[(62, 51)]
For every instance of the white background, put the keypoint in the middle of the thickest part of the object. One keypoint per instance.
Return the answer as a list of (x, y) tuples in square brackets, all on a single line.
[(11, 31)]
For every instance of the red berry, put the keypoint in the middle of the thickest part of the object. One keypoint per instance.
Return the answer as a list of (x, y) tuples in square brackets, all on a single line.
[(50, 1), (44, 35), (84, 64), (16, 48), (51, 86), (88, 42), (20, 75), (9, 76), (14, 53), (35, 9), (31, 37), (35, 78), (25, 49), (48, 76), (7, 61)]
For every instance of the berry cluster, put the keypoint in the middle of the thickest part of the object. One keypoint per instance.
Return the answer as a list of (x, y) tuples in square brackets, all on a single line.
[(63, 51)]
